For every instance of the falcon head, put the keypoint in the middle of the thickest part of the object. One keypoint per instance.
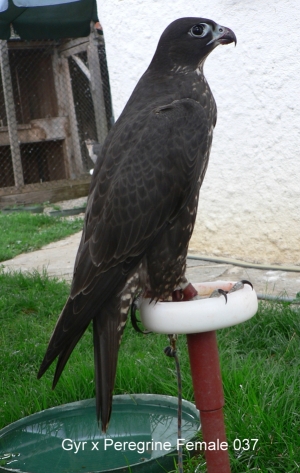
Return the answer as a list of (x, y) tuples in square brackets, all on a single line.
[(187, 42)]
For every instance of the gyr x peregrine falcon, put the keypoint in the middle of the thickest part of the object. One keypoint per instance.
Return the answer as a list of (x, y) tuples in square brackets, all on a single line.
[(143, 200)]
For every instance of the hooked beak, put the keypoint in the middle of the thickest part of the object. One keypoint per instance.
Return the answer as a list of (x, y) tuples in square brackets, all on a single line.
[(223, 35)]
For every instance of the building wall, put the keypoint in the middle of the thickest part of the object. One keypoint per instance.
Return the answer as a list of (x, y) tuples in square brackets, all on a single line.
[(250, 201)]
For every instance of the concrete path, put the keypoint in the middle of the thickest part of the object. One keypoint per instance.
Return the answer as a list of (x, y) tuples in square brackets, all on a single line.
[(275, 283), (58, 259)]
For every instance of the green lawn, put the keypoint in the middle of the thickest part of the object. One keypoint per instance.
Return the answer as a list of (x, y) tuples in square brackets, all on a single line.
[(23, 232), (260, 366)]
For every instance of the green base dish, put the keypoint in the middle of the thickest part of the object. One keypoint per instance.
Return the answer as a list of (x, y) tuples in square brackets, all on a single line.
[(142, 437)]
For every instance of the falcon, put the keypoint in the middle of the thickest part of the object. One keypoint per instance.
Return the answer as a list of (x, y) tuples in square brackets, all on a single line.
[(142, 202)]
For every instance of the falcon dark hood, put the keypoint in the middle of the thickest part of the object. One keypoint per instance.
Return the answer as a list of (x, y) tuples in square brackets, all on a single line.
[(188, 41)]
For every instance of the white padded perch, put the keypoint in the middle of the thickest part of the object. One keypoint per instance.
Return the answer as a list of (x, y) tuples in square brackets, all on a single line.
[(202, 315)]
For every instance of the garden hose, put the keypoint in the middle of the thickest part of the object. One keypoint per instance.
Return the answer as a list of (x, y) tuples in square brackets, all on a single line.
[(244, 264)]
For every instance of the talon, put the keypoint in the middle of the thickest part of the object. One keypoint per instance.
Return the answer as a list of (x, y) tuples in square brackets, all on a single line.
[(134, 319), (239, 285), (218, 293), (244, 281)]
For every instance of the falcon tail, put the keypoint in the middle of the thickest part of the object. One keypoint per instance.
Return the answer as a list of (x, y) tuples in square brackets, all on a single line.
[(106, 347), (108, 327)]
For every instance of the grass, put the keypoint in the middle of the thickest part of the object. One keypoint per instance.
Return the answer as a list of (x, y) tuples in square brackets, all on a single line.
[(260, 367), (23, 232)]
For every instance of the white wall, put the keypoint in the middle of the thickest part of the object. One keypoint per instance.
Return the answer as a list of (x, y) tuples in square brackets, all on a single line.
[(250, 200)]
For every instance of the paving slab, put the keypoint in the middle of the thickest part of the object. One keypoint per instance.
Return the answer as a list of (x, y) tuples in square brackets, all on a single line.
[(271, 282), (57, 258)]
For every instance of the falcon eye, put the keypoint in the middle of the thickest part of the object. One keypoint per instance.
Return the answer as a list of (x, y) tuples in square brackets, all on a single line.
[(197, 30)]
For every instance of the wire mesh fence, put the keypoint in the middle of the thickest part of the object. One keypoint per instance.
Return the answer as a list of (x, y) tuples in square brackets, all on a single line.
[(54, 96)]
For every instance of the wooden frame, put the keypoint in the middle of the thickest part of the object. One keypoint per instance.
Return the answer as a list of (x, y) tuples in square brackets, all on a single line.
[(63, 126)]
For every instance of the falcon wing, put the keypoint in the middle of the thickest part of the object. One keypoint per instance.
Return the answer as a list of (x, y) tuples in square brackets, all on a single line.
[(150, 169), (150, 166)]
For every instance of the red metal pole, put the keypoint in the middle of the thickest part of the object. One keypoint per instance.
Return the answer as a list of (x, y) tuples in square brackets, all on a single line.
[(209, 398)]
